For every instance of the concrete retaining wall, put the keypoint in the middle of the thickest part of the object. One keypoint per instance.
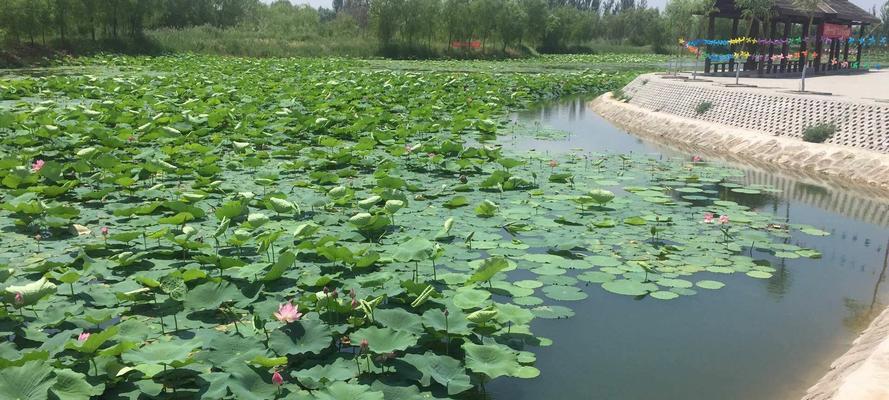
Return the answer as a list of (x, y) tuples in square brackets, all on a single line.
[(836, 162), (860, 124)]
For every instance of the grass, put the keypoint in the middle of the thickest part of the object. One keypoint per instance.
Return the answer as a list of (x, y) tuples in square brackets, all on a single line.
[(241, 42), (703, 107), (818, 133)]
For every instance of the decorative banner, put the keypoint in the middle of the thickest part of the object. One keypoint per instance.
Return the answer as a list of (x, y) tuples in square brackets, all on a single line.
[(836, 31), (869, 41), (475, 44)]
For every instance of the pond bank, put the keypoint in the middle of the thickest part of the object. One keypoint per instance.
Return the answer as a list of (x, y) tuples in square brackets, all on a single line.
[(863, 372), (821, 161)]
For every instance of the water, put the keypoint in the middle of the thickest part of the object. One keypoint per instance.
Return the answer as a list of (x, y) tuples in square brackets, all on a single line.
[(753, 339)]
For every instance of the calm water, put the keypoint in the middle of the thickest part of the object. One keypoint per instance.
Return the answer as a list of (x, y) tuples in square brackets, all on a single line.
[(753, 339)]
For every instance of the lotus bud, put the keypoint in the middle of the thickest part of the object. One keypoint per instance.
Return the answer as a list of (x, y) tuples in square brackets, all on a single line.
[(104, 231), (352, 293), (364, 345), (19, 299), (277, 378), (83, 337)]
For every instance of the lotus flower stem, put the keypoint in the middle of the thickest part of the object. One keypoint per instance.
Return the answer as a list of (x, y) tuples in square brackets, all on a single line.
[(95, 368), (175, 323)]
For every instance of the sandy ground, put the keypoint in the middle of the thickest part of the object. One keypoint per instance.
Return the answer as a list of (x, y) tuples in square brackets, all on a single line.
[(871, 86)]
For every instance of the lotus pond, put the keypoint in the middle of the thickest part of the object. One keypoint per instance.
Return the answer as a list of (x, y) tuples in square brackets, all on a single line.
[(199, 227)]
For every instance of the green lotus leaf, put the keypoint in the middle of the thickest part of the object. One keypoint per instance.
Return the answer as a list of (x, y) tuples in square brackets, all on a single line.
[(601, 196), (384, 340), (31, 381), (445, 370), (564, 293), (347, 391), (399, 320), (340, 370), (282, 205), (392, 206), (255, 220), (629, 287), (552, 312), (486, 209), (74, 386), (369, 202), (361, 219), (31, 292), (708, 284), (490, 267), (305, 336), (172, 352), (416, 249), (492, 360), (481, 317)]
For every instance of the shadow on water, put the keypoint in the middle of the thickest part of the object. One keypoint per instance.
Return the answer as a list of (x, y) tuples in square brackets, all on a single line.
[(754, 339)]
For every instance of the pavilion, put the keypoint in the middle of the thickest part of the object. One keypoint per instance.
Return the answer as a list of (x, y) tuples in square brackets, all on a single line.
[(835, 22)]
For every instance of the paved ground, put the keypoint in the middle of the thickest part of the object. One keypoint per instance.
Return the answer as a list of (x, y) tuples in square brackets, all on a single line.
[(873, 85)]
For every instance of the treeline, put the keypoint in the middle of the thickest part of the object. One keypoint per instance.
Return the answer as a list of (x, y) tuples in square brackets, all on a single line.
[(358, 27), (548, 26), (41, 20)]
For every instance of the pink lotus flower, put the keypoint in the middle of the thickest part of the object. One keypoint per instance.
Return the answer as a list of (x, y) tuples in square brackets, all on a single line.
[(37, 166), (354, 304), (553, 163), (364, 345), (19, 299), (104, 231), (288, 313), (723, 219), (696, 159), (83, 337), (708, 218), (277, 378)]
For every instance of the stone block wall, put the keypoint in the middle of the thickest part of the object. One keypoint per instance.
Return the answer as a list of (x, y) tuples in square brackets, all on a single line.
[(861, 125)]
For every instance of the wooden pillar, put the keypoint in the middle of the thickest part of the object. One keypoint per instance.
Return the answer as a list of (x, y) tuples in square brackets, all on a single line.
[(785, 47), (804, 45), (710, 29), (835, 50), (861, 29), (772, 29), (731, 48), (819, 44), (846, 45)]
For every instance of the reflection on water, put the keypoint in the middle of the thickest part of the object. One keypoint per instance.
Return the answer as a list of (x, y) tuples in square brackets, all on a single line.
[(753, 339)]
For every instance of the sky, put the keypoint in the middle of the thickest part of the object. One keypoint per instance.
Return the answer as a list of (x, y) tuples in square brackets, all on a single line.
[(865, 4)]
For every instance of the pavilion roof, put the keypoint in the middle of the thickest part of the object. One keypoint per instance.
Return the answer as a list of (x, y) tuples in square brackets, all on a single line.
[(836, 11)]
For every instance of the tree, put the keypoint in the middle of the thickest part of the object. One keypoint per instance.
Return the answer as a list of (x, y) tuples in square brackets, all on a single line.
[(510, 22), (810, 7)]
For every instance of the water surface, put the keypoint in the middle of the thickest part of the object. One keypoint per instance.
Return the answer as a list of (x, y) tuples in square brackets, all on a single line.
[(754, 339)]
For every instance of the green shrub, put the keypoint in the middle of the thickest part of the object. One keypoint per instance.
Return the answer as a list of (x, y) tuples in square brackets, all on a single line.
[(620, 95), (820, 132), (703, 107)]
